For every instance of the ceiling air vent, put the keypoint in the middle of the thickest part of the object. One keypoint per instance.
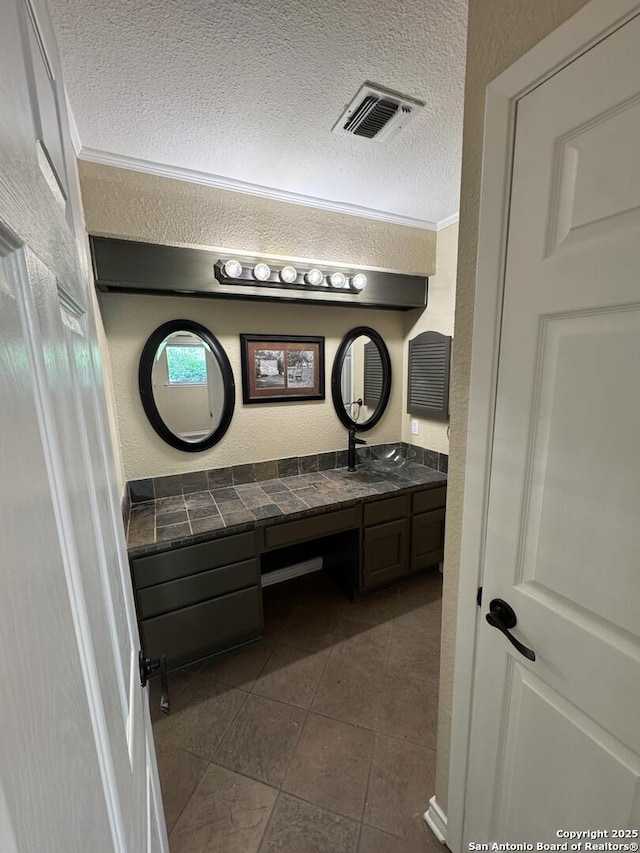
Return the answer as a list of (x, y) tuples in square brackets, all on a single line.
[(376, 113)]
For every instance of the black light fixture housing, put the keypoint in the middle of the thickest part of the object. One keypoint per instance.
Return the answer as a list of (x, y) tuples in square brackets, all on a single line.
[(301, 281)]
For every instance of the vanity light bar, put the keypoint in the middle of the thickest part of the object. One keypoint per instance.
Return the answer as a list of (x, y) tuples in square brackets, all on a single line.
[(232, 271)]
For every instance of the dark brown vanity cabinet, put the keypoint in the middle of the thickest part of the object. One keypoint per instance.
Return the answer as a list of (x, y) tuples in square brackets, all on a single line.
[(385, 542), (427, 528), (402, 535), (200, 599)]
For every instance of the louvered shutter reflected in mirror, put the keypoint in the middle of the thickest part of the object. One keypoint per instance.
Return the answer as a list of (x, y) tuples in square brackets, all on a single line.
[(428, 384), (372, 375)]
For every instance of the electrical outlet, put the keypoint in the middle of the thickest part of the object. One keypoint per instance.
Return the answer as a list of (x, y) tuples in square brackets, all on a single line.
[(414, 426)]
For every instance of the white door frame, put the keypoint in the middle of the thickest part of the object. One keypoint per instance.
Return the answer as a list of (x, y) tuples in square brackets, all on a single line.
[(591, 24)]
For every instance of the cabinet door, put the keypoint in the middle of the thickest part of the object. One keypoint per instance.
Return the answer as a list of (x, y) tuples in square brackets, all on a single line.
[(427, 539), (385, 553)]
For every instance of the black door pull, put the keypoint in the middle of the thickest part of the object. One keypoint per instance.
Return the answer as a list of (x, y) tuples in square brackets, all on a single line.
[(148, 667), (502, 616)]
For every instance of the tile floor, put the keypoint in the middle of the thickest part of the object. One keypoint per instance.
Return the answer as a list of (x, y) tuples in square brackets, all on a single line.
[(318, 739)]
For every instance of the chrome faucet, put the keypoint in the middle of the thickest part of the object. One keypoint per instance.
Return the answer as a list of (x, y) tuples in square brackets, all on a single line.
[(351, 454)]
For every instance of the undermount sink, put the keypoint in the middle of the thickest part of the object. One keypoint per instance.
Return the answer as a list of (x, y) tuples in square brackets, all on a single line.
[(385, 459)]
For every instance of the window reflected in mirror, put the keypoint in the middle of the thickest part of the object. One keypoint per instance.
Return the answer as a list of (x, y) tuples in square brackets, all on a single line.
[(191, 385)]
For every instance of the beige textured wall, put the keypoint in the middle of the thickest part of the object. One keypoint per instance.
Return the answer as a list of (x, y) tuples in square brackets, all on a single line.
[(257, 432), (499, 32), (138, 206), (439, 317)]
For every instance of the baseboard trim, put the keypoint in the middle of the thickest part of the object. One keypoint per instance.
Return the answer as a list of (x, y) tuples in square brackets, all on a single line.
[(436, 820)]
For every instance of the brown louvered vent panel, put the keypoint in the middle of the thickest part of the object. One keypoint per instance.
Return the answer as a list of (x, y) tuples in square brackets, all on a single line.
[(372, 375), (428, 384), (371, 116)]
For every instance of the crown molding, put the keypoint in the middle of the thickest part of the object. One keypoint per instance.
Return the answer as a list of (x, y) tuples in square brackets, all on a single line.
[(449, 220), (73, 127), (93, 155)]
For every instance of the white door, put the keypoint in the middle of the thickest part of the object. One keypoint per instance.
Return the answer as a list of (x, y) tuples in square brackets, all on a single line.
[(555, 742), (77, 765)]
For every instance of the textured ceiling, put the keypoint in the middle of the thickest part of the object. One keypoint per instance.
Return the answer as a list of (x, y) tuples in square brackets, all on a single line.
[(249, 90)]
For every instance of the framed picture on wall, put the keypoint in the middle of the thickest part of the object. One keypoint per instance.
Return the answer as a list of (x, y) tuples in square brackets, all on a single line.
[(282, 368)]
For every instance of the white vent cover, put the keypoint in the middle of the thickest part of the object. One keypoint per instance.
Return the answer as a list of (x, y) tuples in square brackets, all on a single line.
[(376, 113)]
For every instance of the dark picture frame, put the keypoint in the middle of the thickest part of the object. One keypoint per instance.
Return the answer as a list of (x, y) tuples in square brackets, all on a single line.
[(282, 368)]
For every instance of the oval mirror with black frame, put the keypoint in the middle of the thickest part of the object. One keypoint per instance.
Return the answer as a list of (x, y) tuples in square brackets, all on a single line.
[(186, 385), (361, 379)]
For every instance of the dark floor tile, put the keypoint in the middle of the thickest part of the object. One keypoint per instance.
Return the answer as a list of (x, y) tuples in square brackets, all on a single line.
[(409, 710), (375, 609), (299, 827), (308, 464), (179, 773), (415, 616), (350, 692), (243, 474), (228, 813), (195, 481), (266, 511), (314, 628), (173, 531), (288, 467), (402, 777), (330, 765), (240, 667), (174, 516), (276, 613), (261, 740), (141, 490), (266, 470), (200, 717), (363, 645), (425, 587), (218, 478), (374, 841), (414, 654), (165, 487), (291, 676)]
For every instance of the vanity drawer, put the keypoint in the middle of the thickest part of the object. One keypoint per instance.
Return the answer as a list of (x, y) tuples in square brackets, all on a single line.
[(429, 499), (173, 595), (203, 629), (170, 565), (311, 528), (390, 509)]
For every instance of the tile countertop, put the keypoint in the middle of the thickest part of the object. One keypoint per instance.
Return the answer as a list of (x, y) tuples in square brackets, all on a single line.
[(168, 523)]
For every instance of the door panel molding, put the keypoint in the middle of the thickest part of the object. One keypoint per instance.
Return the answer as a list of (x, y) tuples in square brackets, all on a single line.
[(594, 22)]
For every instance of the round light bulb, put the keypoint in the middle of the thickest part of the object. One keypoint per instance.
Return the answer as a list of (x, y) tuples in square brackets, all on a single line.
[(288, 274), (261, 272), (359, 281), (314, 277), (233, 269), (338, 279)]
